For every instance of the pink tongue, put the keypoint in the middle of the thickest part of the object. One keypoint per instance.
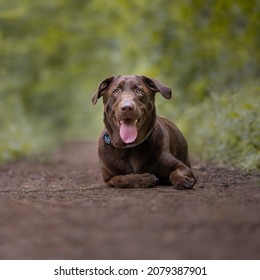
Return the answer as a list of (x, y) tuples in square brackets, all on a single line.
[(128, 132)]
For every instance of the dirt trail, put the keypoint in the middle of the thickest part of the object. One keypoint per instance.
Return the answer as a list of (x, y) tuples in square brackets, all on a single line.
[(57, 207)]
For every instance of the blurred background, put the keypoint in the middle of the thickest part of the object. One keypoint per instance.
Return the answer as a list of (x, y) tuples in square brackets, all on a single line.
[(53, 54)]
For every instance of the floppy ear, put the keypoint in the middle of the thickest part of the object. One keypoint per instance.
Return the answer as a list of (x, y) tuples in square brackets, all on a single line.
[(102, 88), (157, 86)]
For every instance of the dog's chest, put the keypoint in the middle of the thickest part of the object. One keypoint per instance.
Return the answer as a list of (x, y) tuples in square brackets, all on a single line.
[(137, 161)]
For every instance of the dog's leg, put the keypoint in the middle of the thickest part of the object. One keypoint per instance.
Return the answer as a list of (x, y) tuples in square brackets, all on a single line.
[(144, 180), (182, 177)]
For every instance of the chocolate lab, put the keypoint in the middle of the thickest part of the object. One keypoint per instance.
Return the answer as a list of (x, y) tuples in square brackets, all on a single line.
[(138, 148)]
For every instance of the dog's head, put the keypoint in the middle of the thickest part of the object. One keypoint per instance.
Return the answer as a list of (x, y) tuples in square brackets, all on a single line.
[(129, 110)]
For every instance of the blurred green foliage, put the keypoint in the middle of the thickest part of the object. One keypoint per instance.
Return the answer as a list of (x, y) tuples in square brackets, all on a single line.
[(54, 53), (226, 127)]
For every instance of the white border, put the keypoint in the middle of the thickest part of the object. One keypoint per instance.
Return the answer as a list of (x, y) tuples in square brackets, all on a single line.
[(45, 270)]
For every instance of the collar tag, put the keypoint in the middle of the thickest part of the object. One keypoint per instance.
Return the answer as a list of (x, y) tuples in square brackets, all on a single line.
[(107, 138)]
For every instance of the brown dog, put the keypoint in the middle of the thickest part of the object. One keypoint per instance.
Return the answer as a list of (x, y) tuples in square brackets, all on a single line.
[(137, 148)]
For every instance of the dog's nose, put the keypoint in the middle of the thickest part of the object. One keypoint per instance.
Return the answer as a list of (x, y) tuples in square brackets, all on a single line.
[(127, 106)]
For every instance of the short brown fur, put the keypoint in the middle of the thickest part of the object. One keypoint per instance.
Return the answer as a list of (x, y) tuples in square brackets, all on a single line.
[(159, 154)]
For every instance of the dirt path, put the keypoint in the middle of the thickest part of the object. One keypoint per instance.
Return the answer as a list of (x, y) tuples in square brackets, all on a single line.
[(58, 208)]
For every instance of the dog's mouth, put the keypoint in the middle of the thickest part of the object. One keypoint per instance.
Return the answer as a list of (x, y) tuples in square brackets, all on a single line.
[(128, 130)]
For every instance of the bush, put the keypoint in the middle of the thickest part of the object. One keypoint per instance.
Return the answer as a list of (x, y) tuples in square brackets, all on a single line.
[(225, 128)]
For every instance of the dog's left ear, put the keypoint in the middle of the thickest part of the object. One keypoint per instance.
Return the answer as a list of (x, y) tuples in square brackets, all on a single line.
[(157, 86), (102, 88)]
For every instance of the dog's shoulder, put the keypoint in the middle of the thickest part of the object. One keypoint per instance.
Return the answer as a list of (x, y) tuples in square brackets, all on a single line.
[(172, 135)]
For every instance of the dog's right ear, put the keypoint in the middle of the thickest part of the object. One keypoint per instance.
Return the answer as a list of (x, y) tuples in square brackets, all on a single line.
[(157, 86), (102, 88)]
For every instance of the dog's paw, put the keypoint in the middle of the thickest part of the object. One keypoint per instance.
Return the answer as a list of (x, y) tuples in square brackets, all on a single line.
[(182, 178), (144, 180), (185, 183)]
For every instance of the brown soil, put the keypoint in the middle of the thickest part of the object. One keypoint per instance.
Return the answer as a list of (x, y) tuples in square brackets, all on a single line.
[(56, 207)]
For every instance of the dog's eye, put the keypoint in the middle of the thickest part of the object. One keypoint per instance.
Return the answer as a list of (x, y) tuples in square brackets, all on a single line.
[(116, 91), (139, 91)]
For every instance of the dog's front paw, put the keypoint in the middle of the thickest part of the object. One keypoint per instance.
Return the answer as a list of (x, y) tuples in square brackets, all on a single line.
[(144, 180), (185, 183), (183, 178)]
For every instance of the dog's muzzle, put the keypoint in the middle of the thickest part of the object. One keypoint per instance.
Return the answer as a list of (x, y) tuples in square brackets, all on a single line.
[(128, 120)]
